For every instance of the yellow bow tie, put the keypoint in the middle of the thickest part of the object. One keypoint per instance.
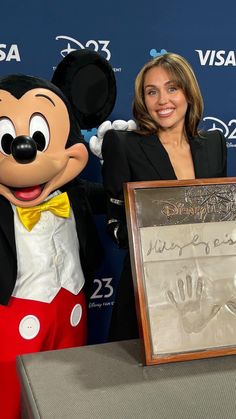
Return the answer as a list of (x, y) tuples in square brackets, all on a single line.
[(59, 205)]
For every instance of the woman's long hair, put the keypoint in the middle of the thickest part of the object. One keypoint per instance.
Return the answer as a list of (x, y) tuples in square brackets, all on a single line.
[(182, 74)]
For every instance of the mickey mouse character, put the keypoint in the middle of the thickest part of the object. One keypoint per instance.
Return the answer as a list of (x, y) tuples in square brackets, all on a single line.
[(49, 246)]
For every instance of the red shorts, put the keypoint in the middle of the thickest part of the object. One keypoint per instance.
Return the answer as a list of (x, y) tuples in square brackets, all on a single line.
[(28, 326)]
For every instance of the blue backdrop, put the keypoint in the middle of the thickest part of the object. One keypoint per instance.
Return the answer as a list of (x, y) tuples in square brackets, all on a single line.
[(34, 36)]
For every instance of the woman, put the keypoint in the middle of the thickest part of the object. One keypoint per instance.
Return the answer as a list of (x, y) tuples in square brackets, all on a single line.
[(167, 144)]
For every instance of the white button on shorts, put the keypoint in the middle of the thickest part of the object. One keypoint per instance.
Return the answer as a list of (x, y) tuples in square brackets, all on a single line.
[(76, 315), (29, 327)]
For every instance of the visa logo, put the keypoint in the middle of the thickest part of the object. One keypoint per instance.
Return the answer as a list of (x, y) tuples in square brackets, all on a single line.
[(216, 58)]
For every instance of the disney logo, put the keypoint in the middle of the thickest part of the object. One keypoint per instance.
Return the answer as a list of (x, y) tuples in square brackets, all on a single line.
[(227, 130), (73, 44)]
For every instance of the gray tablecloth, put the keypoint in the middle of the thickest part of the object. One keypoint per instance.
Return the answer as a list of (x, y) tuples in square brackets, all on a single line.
[(109, 381)]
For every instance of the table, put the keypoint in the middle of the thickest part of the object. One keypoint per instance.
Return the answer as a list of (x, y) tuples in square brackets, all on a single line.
[(109, 381)]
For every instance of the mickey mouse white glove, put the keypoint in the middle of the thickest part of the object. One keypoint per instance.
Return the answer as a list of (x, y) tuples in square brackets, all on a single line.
[(95, 142)]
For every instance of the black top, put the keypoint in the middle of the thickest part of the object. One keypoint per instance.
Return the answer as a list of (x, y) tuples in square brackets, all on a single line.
[(130, 157)]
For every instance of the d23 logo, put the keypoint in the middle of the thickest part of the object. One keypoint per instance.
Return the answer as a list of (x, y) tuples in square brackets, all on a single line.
[(73, 44), (103, 288), (228, 130), (9, 53)]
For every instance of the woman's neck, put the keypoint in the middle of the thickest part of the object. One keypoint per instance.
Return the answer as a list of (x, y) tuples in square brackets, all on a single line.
[(175, 138)]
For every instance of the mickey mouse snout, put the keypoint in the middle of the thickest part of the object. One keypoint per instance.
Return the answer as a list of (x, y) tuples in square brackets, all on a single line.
[(24, 149)]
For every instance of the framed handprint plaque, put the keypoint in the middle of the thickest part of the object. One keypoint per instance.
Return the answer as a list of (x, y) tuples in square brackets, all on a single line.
[(182, 238)]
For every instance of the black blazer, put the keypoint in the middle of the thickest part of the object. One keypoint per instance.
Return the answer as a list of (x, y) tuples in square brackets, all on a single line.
[(83, 197), (130, 157)]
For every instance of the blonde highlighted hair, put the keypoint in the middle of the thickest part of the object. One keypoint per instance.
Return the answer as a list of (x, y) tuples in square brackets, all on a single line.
[(183, 75)]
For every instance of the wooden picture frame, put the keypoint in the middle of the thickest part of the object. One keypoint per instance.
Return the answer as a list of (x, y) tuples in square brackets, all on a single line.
[(182, 239)]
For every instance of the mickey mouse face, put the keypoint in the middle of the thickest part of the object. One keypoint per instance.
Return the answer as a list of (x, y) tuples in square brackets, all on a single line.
[(39, 125), (34, 159), (38, 114)]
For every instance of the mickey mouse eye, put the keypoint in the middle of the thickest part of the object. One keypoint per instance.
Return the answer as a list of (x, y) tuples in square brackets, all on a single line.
[(39, 131), (7, 135)]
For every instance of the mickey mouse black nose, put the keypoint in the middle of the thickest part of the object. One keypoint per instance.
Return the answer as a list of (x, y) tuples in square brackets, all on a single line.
[(24, 149)]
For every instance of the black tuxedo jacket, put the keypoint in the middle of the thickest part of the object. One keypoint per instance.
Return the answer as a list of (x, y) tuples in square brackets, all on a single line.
[(85, 198), (131, 157)]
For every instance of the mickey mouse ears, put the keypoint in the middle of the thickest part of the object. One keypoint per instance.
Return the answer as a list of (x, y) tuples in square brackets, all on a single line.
[(88, 81)]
